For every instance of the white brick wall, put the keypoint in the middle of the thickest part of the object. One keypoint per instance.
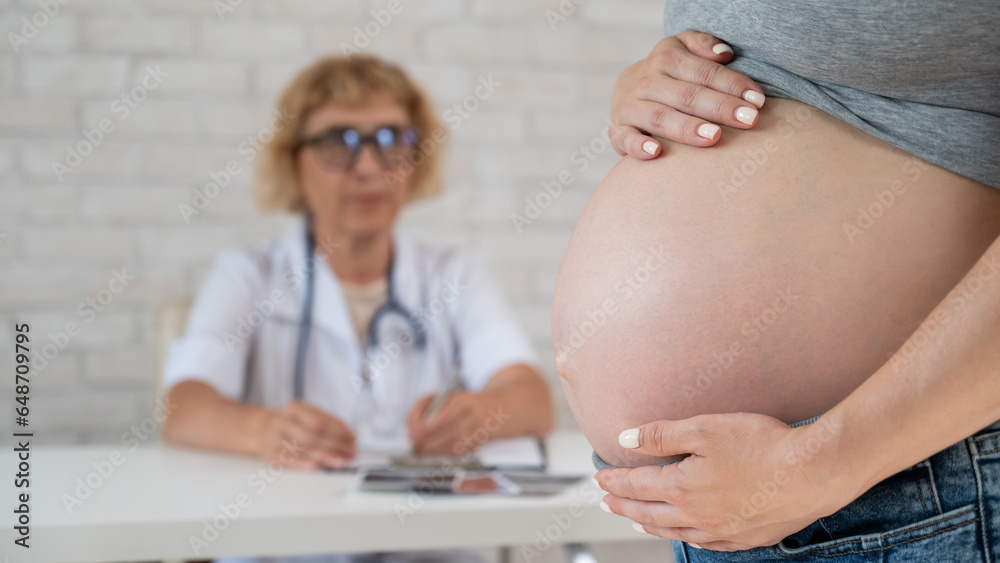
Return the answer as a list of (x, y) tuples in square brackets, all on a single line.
[(118, 208)]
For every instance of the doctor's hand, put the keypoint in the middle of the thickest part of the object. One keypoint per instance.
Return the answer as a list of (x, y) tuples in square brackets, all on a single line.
[(751, 480), (681, 92), (454, 430), (304, 437)]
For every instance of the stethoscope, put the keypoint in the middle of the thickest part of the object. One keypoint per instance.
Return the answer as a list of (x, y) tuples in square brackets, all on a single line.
[(391, 306)]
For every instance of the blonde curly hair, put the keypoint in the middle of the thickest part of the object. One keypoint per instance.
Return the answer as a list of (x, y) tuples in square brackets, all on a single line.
[(347, 81)]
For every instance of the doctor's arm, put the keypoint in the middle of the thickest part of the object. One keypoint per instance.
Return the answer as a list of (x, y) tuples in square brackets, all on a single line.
[(507, 397), (514, 402), (206, 375), (298, 436)]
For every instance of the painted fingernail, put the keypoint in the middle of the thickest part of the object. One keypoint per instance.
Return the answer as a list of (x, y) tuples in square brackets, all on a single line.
[(650, 147), (596, 484), (746, 115), (638, 527), (708, 130), (696, 546), (605, 507), (722, 48), (629, 438), (754, 97)]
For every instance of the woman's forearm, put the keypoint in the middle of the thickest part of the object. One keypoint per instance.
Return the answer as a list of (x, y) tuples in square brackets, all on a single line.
[(202, 418), (518, 403), (940, 387)]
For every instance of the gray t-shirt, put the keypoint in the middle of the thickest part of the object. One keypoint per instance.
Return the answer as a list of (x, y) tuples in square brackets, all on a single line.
[(921, 75)]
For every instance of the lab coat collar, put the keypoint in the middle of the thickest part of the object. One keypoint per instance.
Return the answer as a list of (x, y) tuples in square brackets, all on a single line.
[(330, 312)]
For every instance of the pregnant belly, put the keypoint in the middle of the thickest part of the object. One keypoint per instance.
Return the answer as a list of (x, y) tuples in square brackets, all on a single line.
[(772, 273)]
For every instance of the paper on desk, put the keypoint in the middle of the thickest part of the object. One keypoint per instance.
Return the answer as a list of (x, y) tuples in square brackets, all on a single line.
[(523, 452)]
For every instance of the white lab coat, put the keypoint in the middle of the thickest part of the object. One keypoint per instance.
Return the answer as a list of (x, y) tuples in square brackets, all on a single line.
[(242, 332)]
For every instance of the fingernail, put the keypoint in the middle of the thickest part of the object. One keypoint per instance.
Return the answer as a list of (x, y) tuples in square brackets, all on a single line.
[(605, 507), (708, 130), (746, 115), (638, 527), (629, 438), (722, 48), (754, 97), (696, 546), (649, 146), (596, 484)]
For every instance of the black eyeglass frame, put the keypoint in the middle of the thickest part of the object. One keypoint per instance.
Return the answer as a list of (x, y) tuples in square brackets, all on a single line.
[(338, 132)]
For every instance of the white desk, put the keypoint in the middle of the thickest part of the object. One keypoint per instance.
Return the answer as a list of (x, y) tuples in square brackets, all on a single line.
[(159, 497)]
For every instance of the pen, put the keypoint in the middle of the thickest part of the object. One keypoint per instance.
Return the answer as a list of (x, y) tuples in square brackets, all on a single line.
[(453, 385)]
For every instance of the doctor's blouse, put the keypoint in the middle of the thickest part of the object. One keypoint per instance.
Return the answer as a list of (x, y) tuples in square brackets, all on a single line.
[(242, 333)]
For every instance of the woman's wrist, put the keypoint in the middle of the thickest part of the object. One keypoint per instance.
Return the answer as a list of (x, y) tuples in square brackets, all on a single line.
[(821, 451)]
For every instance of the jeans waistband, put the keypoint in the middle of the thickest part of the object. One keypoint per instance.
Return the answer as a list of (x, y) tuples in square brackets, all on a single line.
[(952, 469)]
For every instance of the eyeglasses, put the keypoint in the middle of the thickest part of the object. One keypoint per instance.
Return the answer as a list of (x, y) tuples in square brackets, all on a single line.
[(338, 148)]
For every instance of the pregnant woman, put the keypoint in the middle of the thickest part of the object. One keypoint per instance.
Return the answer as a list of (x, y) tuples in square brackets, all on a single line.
[(787, 346)]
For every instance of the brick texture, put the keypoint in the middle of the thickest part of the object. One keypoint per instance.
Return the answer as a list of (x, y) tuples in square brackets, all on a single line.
[(62, 235)]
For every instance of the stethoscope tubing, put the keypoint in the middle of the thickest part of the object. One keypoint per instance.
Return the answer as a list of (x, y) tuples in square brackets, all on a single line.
[(305, 322), (392, 305)]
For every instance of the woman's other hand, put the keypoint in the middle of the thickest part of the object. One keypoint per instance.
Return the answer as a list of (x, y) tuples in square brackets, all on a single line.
[(751, 480), (458, 428), (680, 92), (304, 437)]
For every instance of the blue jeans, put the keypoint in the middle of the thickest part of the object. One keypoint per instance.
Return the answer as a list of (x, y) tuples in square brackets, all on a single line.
[(944, 508)]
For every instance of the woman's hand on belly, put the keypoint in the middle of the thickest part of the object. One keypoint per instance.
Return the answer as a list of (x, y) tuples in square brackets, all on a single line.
[(680, 92), (750, 480)]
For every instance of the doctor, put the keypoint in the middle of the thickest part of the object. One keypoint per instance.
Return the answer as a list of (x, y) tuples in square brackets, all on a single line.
[(335, 337)]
